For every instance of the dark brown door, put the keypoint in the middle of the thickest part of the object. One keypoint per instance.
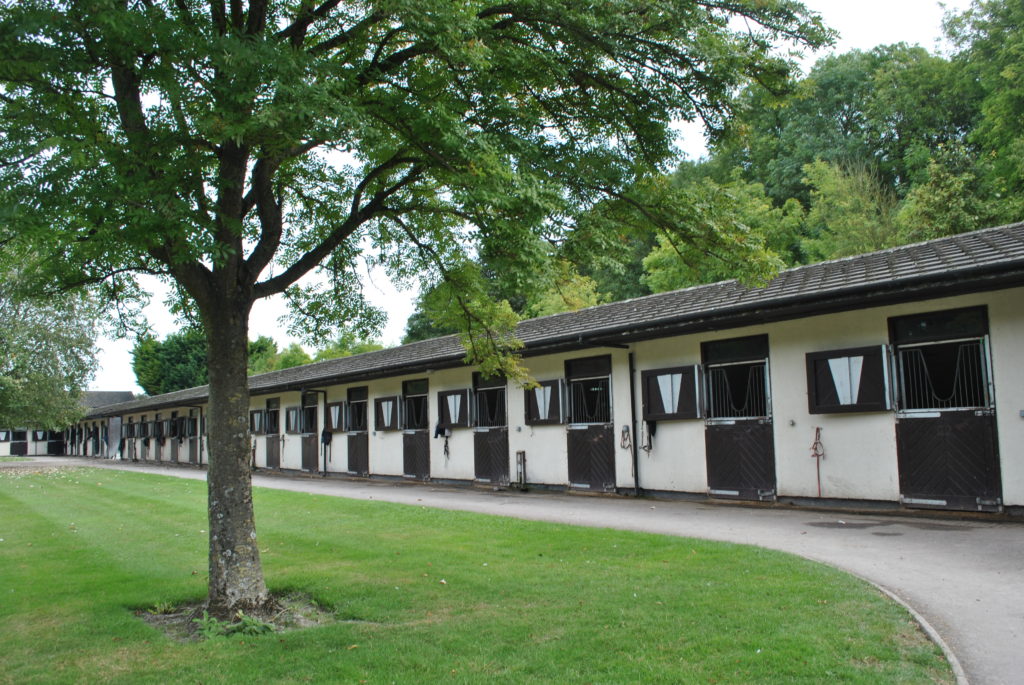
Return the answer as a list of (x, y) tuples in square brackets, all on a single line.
[(359, 453), (416, 454), (490, 436), (19, 443), (415, 422), (273, 421), (357, 423), (592, 457), (490, 455), (175, 436), (310, 436), (193, 436), (590, 435), (740, 460), (947, 450), (949, 461), (738, 436)]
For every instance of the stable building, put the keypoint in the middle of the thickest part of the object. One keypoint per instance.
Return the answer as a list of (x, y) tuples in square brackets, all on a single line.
[(87, 438), (894, 379)]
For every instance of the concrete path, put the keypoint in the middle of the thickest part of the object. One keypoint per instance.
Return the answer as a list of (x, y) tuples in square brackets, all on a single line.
[(965, 578)]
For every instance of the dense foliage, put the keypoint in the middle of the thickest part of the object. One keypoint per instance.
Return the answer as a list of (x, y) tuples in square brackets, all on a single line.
[(175, 363), (47, 356), (869, 150)]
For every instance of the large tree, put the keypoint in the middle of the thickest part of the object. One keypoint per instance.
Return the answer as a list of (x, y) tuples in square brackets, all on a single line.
[(174, 363), (47, 355), (235, 147)]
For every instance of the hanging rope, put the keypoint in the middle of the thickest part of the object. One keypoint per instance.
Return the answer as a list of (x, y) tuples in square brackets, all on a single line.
[(817, 454)]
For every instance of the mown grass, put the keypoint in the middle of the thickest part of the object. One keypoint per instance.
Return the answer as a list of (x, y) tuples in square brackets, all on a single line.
[(522, 602), (13, 459)]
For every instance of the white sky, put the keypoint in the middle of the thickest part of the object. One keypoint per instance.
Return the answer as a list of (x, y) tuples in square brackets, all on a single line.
[(861, 25)]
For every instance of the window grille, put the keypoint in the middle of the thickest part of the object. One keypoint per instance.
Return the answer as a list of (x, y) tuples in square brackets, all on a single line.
[(737, 391), (952, 375), (590, 400)]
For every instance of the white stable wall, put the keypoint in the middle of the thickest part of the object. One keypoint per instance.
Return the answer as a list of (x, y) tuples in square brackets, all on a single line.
[(860, 449)]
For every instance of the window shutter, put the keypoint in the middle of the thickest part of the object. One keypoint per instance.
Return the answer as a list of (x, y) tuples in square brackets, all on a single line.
[(670, 393), (453, 408), (850, 380), (544, 403)]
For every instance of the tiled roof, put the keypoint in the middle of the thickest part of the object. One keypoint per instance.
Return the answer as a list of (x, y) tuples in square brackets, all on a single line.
[(909, 272), (100, 398)]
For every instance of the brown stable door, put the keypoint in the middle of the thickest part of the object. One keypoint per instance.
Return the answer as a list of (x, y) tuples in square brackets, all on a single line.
[(358, 438), (309, 433), (273, 428), (415, 430), (948, 454), (490, 434), (738, 438), (589, 433)]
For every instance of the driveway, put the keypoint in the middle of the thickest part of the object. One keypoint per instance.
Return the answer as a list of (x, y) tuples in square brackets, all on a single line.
[(965, 578)]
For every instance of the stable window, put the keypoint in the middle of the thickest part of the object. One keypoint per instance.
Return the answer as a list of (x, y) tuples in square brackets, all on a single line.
[(357, 414), (335, 418), (453, 408), (489, 401), (19, 436), (386, 413), (5, 436), (257, 419), (414, 405), (589, 390), (143, 427), (670, 393), (850, 380), (942, 360), (272, 418), (309, 412), (39, 436), (292, 420), (736, 378), (543, 403)]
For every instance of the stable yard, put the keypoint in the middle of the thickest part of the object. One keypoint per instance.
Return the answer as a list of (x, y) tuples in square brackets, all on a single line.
[(420, 596)]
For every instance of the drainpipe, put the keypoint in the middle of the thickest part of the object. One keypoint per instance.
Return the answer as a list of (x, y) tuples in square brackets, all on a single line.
[(632, 414)]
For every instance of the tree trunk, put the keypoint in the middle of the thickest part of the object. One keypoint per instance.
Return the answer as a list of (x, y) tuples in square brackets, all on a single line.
[(236, 575)]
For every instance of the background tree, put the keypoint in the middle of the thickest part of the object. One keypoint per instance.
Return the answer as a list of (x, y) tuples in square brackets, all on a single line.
[(175, 363), (753, 219), (235, 147), (990, 41), (346, 345), (47, 356), (262, 355)]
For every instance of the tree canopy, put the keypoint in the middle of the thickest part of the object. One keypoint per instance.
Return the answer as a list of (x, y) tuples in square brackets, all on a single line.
[(47, 356), (175, 363), (234, 148)]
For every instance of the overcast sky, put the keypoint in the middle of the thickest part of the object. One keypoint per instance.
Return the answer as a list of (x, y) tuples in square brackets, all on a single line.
[(861, 25)]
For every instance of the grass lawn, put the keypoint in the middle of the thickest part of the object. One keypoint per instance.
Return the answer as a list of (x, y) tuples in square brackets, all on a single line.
[(522, 602), (13, 458)]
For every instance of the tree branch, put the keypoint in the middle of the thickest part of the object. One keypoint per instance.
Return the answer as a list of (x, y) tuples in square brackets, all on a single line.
[(356, 218)]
